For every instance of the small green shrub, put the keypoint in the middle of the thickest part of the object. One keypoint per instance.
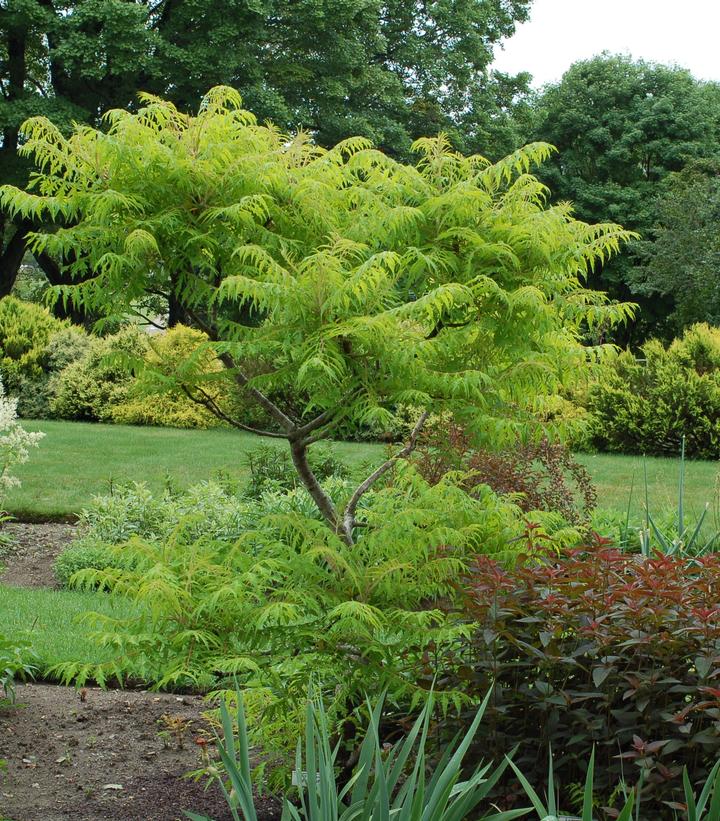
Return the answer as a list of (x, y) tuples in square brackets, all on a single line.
[(128, 510), (647, 404), (271, 468), (82, 556), (65, 346), (17, 660), (91, 387), (207, 510), (176, 357), (25, 332), (288, 601)]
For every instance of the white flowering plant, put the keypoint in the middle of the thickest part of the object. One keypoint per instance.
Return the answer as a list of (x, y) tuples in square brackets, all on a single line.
[(15, 443)]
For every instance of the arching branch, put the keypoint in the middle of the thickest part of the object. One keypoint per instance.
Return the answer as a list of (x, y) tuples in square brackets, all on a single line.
[(349, 515)]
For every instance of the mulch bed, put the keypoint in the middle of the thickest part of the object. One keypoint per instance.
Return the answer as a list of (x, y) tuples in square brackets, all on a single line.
[(91, 754), (29, 561), (105, 755)]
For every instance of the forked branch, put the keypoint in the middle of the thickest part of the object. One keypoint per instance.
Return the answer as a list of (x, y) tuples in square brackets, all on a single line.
[(349, 515)]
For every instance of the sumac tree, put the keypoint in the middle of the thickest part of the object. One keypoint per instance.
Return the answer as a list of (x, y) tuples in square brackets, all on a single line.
[(361, 283)]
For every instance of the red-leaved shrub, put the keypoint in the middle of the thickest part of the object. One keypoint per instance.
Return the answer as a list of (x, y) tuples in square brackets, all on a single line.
[(599, 648), (544, 474)]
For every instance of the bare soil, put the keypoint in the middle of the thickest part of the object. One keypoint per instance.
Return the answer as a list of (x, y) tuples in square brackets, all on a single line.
[(105, 755), (29, 561), (98, 755)]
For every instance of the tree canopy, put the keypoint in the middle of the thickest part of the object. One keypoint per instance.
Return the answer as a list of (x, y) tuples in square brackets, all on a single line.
[(371, 284), (681, 255), (621, 126), (390, 71)]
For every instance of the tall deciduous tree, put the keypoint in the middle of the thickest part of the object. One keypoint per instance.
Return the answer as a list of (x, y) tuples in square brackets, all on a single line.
[(390, 71), (620, 127), (375, 284), (681, 256)]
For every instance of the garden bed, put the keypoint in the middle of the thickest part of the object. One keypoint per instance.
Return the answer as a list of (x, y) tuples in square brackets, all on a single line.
[(110, 756), (96, 754), (29, 562)]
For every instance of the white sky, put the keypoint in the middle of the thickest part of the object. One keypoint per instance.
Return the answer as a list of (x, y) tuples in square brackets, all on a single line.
[(560, 32)]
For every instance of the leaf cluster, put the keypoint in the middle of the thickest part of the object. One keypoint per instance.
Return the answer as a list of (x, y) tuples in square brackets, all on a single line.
[(650, 403), (600, 648)]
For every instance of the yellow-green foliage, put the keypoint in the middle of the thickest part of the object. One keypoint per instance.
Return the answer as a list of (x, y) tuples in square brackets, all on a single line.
[(90, 387), (289, 602), (362, 282), (646, 404), (34, 345), (178, 354), (25, 330)]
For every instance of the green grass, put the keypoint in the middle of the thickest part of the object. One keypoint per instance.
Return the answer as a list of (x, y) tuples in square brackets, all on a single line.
[(49, 620), (77, 460), (614, 476)]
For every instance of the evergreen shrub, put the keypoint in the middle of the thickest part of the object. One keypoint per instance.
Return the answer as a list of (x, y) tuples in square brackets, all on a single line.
[(646, 404), (170, 354), (27, 332), (89, 388)]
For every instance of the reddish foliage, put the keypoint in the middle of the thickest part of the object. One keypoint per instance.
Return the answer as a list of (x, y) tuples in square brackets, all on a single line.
[(544, 473), (599, 648)]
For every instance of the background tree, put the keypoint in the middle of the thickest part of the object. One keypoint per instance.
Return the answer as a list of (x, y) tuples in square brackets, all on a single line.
[(390, 71), (446, 285), (681, 256), (620, 127)]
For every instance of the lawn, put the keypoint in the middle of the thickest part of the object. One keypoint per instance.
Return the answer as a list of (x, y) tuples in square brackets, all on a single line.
[(77, 460), (50, 621), (615, 476)]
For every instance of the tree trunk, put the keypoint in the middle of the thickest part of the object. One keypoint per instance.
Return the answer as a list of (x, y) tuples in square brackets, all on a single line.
[(56, 276), (12, 257), (16, 44)]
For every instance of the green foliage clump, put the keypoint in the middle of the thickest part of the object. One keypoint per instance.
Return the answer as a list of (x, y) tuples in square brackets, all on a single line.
[(287, 600), (128, 510), (84, 555), (206, 510), (91, 387), (17, 660), (26, 330), (647, 404), (177, 351), (271, 468)]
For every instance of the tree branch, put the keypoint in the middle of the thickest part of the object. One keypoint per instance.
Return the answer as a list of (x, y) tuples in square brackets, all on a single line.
[(292, 432), (298, 451), (317, 422), (211, 405), (149, 321), (349, 515)]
